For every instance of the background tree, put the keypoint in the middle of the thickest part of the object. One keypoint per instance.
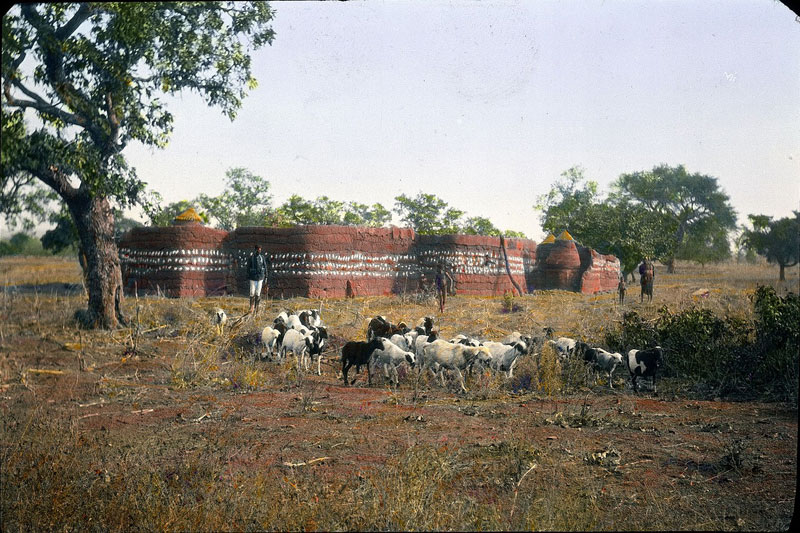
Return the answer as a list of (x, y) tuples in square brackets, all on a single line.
[(428, 214), (246, 201), (693, 202), (567, 202), (23, 199), (480, 226), (611, 226), (374, 216), (98, 69), (777, 240)]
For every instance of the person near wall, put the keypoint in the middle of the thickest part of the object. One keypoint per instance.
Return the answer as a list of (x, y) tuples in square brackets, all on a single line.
[(444, 284), (621, 288), (256, 273)]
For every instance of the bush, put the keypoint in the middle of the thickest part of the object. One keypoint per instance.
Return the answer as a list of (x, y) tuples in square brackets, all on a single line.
[(726, 353)]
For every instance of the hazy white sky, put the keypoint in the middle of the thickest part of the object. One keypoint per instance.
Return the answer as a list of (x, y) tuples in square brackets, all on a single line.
[(485, 104)]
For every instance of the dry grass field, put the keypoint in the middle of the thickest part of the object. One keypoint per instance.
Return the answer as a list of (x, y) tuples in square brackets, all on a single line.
[(164, 425)]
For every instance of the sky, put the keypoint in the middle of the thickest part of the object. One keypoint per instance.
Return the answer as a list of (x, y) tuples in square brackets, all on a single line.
[(485, 104)]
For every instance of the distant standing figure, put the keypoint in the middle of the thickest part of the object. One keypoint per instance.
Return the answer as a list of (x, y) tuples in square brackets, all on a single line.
[(441, 292), (621, 288), (646, 276), (444, 282), (256, 273)]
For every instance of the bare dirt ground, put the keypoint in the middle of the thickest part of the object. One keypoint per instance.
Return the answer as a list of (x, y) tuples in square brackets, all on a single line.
[(164, 425)]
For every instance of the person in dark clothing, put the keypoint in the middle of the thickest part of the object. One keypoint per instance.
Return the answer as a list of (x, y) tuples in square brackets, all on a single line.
[(621, 288), (256, 273), (444, 282), (646, 276), (441, 292)]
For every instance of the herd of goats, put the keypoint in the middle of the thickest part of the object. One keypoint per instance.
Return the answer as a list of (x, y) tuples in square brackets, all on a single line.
[(388, 346)]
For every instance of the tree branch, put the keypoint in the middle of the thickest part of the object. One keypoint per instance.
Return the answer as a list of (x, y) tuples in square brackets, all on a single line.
[(42, 105), (77, 19)]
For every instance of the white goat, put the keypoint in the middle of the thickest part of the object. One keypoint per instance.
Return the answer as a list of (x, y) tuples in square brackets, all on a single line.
[(390, 357), (269, 340), (219, 318), (455, 357), (504, 356)]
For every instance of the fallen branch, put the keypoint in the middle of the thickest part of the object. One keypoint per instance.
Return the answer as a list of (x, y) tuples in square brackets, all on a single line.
[(307, 463), (45, 371)]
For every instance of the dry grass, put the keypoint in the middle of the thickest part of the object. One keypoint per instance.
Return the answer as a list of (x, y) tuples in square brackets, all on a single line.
[(166, 426)]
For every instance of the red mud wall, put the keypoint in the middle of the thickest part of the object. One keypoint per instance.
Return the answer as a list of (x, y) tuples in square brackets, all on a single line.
[(338, 261), (564, 264), (327, 261), (476, 262), (177, 261)]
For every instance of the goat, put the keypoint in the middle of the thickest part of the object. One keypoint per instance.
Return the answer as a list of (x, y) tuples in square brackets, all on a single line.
[(504, 356), (305, 346), (455, 357), (644, 363), (463, 339), (269, 340), (421, 341), (380, 327), (567, 347), (390, 356), (283, 316), (603, 360), (293, 322), (515, 337), (219, 318), (425, 325), (310, 318), (402, 341), (358, 353)]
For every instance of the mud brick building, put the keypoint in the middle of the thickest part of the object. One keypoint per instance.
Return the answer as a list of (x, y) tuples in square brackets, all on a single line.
[(189, 260)]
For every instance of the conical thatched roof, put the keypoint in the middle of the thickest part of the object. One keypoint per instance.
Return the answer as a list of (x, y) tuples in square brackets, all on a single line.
[(190, 215)]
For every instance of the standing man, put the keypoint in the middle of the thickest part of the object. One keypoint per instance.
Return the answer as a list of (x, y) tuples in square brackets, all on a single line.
[(621, 289), (444, 284), (646, 275), (256, 273)]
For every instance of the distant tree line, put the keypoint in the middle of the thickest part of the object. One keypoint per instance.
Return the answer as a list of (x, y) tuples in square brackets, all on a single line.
[(246, 201), (666, 214)]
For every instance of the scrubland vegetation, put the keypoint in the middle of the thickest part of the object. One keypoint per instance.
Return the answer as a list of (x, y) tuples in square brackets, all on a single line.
[(165, 425)]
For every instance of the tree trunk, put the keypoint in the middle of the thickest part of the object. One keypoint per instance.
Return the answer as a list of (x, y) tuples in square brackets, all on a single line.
[(508, 267), (671, 264), (95, 222), (782, 273)]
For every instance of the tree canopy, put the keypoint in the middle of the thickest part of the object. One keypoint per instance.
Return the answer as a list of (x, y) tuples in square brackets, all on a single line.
[(777, 240), (612, 225), (698, 209), (91, 76)]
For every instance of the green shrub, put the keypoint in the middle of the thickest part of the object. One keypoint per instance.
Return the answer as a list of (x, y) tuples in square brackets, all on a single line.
[(729, 354)]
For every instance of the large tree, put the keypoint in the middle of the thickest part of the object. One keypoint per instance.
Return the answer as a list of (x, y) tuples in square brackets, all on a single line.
[(89, 76), (428, 214), (244, 202), (777, 240), (694, 203), (612, 225)]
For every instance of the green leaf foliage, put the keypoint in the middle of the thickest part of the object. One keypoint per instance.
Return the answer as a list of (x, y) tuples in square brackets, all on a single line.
[(777, 240), (699, 211)]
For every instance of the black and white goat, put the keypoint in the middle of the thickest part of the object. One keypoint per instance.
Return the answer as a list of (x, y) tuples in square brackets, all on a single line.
[(644, 364), (602, 360)]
